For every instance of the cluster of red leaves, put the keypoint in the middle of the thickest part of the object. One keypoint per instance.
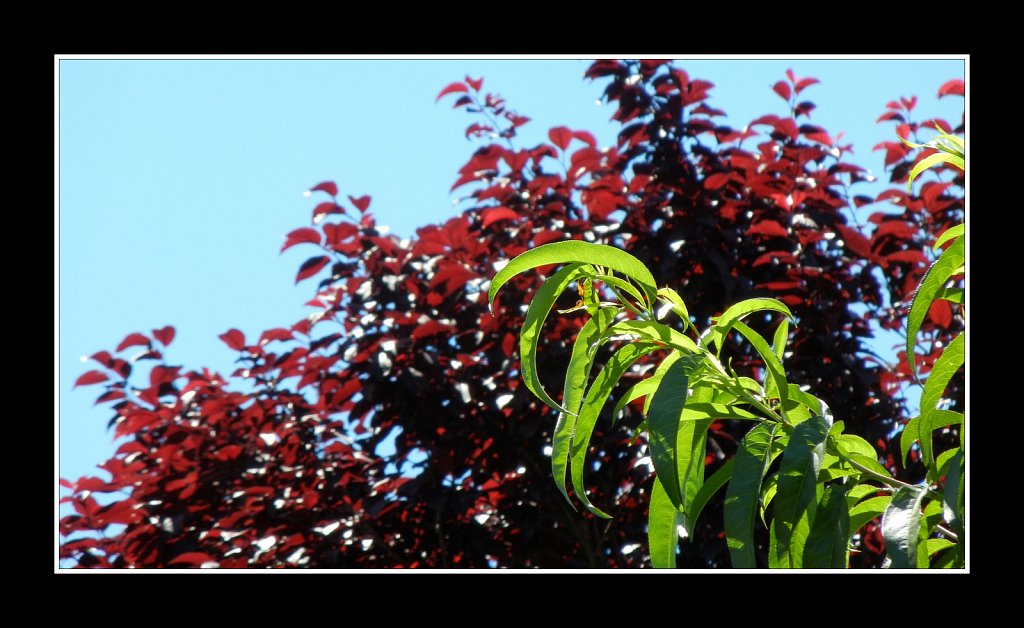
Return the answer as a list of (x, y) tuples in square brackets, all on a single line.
[(299, 471)]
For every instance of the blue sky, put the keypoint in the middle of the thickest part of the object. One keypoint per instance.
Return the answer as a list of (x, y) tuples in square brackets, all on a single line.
[(178, 179)]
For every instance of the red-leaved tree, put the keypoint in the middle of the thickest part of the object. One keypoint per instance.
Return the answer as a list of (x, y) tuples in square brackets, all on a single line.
[(296, 471)]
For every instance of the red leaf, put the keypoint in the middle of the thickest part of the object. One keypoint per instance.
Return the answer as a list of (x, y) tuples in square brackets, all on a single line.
[(103, 357), (495, 214), (909, 103), (234, 339), (327, 186), (476, 84), (910, 256), (230, 452), (192, 558), (450, 89), (891, 115), (165, 335), (717, 180), (805, 83), (952, 88), (301, 235), (790, 75), (768, 228), (941, 313), (586, 137), (89, 378), (311, 267), (782, 89), (560, 136), (278, 333), (133, 340), (430, 328), (323, 209), (362, 203)]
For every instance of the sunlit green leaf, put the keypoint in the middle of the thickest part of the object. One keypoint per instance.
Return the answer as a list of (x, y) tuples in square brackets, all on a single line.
[(859, 492), (830, 534), (678, 306), (953, 295), (662, 528), (575, 251), (738, 311), (945, 367), (576, 377), (621, 284), (594, 401), (780, 339), (815, 406), (928, 162), (741, 498), (901, 526), (932, 283), (536, 314), (953, 232), (649, 330), (867, 510), (798, 491)]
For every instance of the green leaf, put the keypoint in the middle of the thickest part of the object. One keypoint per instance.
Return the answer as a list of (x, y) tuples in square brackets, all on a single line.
[(953, 232), (537, 313), (656, 332), (708, 489), (928, 162), (678, 306), (953, 495), (932, 283), (816, 406), (580, 252), (622, 284), (830, 535), (912, 433), (696, 410), (870, 463), (671, 439), (867, 510), (798, 490), (644, 387), (576, 377), (595, 400), (776, 374), (780, 339), (953, 295), (741, 498), (738, 311), (934, 546), (908, 436), (901, 525), (768, 490), (945, 367), (859, 492), (662, 528)]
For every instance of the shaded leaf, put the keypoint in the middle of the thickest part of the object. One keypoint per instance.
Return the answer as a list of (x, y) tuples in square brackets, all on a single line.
[(827, 542), (798, 490), (311, 267), (901, 525)]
